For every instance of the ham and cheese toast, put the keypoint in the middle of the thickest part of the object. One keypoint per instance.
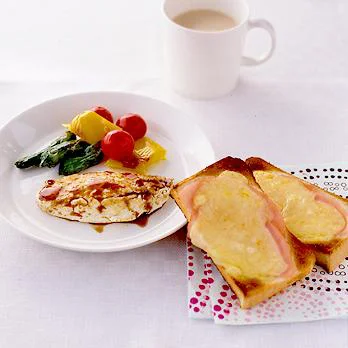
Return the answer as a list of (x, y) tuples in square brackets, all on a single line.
[(316, 217), (242, 230)]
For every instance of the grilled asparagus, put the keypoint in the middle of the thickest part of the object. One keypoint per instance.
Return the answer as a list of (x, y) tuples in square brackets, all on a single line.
[(92, 156), (40, 158)]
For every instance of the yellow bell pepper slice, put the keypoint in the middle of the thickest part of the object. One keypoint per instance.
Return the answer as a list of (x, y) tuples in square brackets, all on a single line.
[(147, 151), (91, 127)]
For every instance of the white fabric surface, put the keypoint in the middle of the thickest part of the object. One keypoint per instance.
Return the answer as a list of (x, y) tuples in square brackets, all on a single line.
[(291, 110)]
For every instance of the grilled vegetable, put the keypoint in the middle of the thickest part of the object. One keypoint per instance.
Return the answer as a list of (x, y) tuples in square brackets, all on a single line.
[(118, 145), (73, 155), (146, 153), (37, 158), (91, 127), (134, 124), (104, 112), (57, 153), (92, 156), (29, 161)]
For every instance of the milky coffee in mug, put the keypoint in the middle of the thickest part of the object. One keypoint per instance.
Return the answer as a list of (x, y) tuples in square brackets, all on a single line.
[(205, 20), (203, 45)]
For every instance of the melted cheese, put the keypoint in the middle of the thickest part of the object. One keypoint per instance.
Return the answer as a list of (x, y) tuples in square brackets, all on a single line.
[(230, 224), (307, 216)]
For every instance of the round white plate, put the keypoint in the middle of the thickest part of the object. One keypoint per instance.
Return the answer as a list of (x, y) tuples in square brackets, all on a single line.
[(188, 150)]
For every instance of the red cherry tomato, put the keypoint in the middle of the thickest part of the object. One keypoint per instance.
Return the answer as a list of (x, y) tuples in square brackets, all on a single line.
[(103, 112), (133, 124), (118, 145)]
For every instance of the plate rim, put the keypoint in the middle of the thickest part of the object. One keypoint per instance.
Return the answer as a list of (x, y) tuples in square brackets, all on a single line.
[(76, 247)]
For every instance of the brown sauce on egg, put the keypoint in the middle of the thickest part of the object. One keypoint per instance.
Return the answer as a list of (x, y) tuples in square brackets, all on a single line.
[(141, 221)]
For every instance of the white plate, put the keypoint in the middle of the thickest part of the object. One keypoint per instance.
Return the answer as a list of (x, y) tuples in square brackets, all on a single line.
[(188, 150)]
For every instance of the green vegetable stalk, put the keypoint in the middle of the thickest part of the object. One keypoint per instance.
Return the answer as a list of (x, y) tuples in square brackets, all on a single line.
[(92, 156), (58, 152), (73, 155), (48, 156)]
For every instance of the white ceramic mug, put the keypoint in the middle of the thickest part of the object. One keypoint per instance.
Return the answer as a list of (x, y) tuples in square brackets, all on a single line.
[(203, 64)]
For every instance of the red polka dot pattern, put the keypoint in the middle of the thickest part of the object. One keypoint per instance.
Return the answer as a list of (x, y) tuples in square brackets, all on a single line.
[(199, 282)]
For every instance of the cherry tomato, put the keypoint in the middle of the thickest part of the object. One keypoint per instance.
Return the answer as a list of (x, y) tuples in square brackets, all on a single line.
[(133, 124), (118, 145), (103, 112)]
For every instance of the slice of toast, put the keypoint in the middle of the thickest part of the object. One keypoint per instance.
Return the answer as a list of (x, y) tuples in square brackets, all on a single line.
[(316, 217), (242, 230)]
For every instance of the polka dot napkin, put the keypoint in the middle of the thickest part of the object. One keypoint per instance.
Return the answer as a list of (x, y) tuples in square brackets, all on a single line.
[(320, 295)]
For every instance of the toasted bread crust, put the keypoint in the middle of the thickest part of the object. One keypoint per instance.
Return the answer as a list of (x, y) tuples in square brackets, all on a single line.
[(251, 296), (251, 292), (227, 163), (328, 255)]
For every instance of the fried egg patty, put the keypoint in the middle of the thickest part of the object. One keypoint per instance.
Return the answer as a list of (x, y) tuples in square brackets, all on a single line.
[(104, 197)]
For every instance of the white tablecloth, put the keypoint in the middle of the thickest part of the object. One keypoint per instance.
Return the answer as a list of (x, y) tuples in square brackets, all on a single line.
[(293, 109)]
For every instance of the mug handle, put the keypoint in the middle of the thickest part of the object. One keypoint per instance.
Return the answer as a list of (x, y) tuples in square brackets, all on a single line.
[(263, 24)]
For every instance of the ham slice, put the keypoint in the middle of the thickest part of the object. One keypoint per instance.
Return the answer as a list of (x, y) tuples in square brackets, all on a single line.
[(329, 200), (275, 225)]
